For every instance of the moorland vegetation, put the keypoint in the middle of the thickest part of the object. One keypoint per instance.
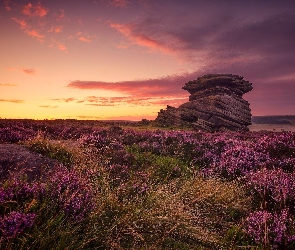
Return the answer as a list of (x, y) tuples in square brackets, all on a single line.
[(142, 187)]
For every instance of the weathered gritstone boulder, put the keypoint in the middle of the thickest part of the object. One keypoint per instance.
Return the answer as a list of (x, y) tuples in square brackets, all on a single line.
[(215, 104)]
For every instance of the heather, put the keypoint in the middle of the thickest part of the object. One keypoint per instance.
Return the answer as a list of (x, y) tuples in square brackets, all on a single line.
[(136, 187)]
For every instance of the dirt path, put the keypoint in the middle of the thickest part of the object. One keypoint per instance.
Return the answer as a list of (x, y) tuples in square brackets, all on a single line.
[(16, 159)]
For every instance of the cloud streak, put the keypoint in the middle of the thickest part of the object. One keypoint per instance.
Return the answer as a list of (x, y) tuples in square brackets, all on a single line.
[(166, 86), (126, 100), (22, 22), (120, 3), (7, 5), (34, 10), (84, 38), (28, 29), (34, 20), (56, 29), (89, 117), (130, 31), (59, 46), (29, 71), (48, 106), (70, 99), (12, 100), (8, 85), (61, 15)]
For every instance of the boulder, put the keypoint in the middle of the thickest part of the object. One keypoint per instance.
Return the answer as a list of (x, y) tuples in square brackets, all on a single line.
[(215, 104)]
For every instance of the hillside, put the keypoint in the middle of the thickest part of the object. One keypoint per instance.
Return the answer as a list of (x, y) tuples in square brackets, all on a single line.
[(274, 119)]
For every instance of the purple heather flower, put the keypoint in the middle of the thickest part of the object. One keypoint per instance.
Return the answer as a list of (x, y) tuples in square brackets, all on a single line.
[(15, 223), (72, 192), (268, 228)]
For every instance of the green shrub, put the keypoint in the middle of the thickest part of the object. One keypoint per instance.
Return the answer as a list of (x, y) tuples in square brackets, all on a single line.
[(46, 148), (166, 168)]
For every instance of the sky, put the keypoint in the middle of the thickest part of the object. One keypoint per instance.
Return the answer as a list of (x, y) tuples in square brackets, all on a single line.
[(127, 59)]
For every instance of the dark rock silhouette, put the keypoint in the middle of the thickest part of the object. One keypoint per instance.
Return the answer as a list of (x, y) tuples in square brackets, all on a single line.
[(215, 104)]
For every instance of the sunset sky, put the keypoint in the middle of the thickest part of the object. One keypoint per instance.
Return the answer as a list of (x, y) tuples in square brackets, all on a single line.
[(127, 59)]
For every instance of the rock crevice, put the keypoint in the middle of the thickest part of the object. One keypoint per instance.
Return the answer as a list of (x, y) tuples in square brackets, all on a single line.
[(215, 104)]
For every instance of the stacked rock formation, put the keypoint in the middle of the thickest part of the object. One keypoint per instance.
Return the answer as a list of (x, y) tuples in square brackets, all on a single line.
[(215, 104)]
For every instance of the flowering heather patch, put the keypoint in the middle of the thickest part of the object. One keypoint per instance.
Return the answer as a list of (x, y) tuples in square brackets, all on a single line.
[(16, 194), (13, 131), (238, 158), (15, 134), (71, 192), (5, 194), (275, 188), (15, 223), (271, 228), (156, 189), (61, 192)]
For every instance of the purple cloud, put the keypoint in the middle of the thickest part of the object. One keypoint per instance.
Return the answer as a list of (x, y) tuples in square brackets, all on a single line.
[(169, 86)]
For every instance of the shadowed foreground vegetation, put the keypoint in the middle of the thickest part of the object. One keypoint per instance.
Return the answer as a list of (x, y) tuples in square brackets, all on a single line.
[(121, 188)]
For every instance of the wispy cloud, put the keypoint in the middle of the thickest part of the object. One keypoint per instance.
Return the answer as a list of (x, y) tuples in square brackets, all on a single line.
[(62, 47), (131, 117), (100, 104), (84, 37), (120, 3), (132, 101), (28, 29), (34, 10), (166, 86), (8, 84), (70, 99), (175, 102), (7, 5), (48, 106), (58, 45), (88, 117), (160, 92), (131, 32), (35, 34), (28, 18), (21, 22), (61, 15), (56, 29), (12, 100), (29, 71)]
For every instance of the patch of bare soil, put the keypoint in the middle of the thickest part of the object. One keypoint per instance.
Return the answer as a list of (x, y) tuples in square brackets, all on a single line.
[(18, 160)]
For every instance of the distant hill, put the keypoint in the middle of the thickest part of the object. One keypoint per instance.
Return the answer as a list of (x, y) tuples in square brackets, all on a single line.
[(274, 119)]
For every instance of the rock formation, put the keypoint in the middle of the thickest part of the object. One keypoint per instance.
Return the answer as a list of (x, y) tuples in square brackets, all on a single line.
[(215, 104)]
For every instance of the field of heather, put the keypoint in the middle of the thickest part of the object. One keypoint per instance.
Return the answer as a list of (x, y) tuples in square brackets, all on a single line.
[(94, 185)]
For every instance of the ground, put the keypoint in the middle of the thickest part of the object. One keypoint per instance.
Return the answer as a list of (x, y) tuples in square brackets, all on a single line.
[(18, 159)]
